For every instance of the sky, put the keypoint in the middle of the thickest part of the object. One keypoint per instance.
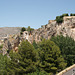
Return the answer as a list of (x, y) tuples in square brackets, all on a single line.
[(33, 13)]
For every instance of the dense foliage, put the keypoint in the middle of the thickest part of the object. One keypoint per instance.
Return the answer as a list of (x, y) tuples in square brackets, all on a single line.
[(44, 58), (13, 64), (28, 59), (35, 45), (50, 57), (1, 46), (3, 64), (59, 19), (67, 47), (39, 73), (23, 62), (22, 30)]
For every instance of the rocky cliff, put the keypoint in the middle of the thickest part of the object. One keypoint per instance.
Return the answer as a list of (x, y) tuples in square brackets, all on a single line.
[(53, 29), (67, 28)]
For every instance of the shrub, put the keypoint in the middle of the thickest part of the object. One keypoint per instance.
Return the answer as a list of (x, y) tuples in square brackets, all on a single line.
[(59, 19), (23, 29)]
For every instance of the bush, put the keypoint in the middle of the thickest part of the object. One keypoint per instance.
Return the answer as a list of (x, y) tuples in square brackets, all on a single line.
[(24, 61), (59, 19), (72, 14), (23, 29), (65, 15)]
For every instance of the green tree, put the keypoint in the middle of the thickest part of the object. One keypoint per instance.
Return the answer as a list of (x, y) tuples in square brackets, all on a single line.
[(3, 64), (35, 44), (1, 46), (72, 14), (51, 59), (13, 64), (67, 47), (23, 62), (29, 29), (28, 59), (38, 73), (23, 29)]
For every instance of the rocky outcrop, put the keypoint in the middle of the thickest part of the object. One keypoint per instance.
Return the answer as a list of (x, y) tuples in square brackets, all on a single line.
[(46, 31), (10, 43), (53, 29), (6, 46)]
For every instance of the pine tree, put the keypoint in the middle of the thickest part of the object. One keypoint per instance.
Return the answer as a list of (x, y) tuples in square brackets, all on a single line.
[(27, 57), (35, 44), (23, 62), (50, 57), (13, 64), (3, 64)]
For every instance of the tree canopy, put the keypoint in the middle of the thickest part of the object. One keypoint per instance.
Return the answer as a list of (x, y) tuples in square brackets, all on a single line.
[(51, 59), (23, 62), (67, 47), (23, 29)]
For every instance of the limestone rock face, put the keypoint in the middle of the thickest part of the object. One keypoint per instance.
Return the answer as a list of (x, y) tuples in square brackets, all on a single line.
[(7, 46), (53, 29), (10, 44)]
